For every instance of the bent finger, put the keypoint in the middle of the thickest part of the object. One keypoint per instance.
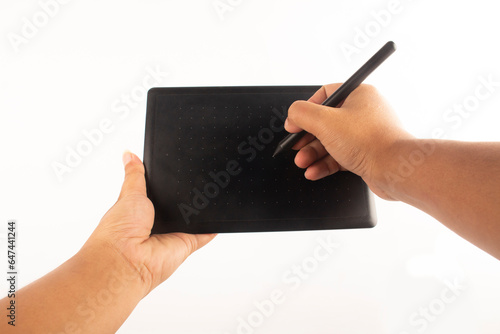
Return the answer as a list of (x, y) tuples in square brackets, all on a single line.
[(324, 92), (310, 153), (308, 138), (322, 168)]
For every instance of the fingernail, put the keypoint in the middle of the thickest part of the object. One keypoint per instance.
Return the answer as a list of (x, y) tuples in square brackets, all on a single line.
[(127, 157), (286, 123)]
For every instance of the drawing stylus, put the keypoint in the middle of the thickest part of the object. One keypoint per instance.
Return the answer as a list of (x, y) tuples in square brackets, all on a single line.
[(343, 91)]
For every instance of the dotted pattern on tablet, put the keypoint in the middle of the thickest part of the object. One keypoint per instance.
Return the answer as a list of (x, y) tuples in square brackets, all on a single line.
[(214, 155)]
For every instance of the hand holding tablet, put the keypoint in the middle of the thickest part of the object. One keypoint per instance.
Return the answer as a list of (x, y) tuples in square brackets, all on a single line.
[(209, 166)]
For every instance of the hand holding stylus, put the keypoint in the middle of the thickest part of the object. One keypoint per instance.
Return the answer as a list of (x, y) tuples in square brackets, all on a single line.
[(354, 137), (97, 289), (443, 178), (343, 91)]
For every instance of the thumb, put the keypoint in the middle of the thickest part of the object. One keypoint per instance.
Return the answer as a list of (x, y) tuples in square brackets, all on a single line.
[(134, 183), (311, 117)]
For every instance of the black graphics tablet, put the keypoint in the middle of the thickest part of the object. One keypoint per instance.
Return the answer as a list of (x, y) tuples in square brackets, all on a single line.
[(209, 166)]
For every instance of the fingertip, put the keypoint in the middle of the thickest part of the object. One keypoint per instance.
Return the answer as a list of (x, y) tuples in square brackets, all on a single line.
[(300, 160), (127, 156), (316, 172), (309, 175), (130, 158), (134, 181), (291, 127), (297, 160)]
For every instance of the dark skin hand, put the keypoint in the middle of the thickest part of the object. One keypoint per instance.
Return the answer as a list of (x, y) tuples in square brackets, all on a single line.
[(458, 183), (120, 264)]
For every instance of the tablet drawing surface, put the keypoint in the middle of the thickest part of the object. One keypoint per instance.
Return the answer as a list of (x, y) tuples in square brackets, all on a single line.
[(209, 165)]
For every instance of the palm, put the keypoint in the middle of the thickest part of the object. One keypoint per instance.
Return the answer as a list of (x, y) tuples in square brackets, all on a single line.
[(127, 226)]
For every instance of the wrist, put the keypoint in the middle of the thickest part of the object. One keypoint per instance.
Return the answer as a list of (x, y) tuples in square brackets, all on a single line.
[(398, 164), (118, 275)]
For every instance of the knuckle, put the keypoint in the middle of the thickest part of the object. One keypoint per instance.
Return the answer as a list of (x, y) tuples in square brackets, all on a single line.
[(368, 89), (295, 107), (331, 166), (330, 88)]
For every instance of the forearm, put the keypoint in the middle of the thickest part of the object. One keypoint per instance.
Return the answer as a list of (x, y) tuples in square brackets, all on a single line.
[(93, 292), (458, 183)]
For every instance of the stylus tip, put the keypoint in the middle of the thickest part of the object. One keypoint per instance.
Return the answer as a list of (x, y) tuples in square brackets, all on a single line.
[(277, 151)]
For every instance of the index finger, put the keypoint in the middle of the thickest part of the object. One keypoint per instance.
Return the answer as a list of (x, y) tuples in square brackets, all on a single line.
[(324, 92)]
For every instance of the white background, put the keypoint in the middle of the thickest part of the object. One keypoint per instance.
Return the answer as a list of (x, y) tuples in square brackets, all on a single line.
[(66, 77)]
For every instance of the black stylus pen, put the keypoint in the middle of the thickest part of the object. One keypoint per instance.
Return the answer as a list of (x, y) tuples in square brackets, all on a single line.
[(343, 91)]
